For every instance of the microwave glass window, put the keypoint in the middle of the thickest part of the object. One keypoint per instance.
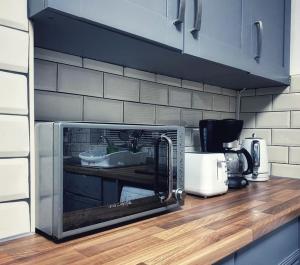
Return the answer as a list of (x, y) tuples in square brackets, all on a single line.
[(109, 174)]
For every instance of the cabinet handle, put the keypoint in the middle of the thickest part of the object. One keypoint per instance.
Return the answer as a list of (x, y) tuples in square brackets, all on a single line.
[(259, 28), (181, 12), (198, 17)]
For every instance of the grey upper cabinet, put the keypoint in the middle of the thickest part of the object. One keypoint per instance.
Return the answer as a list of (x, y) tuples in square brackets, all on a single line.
[(151, 20), (213, 31), (233, 43), (266, 32), (251, 35)]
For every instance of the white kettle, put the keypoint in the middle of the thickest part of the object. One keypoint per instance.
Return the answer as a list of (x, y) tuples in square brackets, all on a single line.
[(257, 147)]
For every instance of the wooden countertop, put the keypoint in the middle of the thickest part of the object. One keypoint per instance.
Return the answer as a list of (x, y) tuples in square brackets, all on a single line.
[(202, 232)]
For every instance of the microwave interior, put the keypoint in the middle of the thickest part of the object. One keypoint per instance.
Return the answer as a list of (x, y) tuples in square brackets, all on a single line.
[(113, 173)]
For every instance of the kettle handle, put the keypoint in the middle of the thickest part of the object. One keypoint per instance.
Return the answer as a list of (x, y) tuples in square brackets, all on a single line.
[(249, 159), (255, 152)]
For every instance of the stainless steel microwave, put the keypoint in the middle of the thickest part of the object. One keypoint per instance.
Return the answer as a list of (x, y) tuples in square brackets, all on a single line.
[(91, 176)]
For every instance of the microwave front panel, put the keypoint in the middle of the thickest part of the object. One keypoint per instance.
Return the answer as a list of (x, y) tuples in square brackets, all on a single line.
[(110, 173)]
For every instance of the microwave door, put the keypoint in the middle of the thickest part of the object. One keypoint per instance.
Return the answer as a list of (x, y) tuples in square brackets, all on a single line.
[(105, 179)]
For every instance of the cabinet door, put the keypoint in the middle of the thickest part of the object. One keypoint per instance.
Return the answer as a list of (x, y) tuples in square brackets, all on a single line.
[(152, 20), (213, 31), (274, 248), (266, 30)]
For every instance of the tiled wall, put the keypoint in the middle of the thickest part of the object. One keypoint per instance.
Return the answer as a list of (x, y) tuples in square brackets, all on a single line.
[(274, 114), (14, 119), (79, 89)]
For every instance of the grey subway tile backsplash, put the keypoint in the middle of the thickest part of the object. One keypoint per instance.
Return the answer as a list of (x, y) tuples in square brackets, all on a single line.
[(45, 75), (273, 120), (154, 93), (295, 83), (130, 72), (80, 81), (286, 102), (262, 133), (221, 103), (270, 113), (180, 97), (286, 170), (249, 120), (192, 85), (52, 106), (272, 90), (212, 89), (139, 113), (286, 137), (201, 100), (188, 137), (248, 93), (212, 115), (191, 118), (102, 66), (195, 137), (119, 87), (295, 119), (278, 154), (168, 80), (294, 155), (57, 57), (102, 110), (274, 113), (90, 90), (167, 115), (229, 92), (228, 115), (256, 103), (232, 104)]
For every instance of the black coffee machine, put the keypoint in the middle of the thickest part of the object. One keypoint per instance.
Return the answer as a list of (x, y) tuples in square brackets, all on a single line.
[(221, 136)]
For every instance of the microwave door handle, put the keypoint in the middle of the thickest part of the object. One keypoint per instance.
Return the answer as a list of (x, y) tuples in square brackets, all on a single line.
[(156, 184), (169, 142)]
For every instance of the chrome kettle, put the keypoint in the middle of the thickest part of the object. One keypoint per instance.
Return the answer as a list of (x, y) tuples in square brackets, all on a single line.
[(257, 147)]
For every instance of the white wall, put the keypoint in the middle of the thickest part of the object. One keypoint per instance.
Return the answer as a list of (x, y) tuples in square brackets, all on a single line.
[(295, 38), (15, 119)]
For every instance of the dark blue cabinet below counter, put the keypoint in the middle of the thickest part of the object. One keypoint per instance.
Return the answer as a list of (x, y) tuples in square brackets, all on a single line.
[(280, 247)]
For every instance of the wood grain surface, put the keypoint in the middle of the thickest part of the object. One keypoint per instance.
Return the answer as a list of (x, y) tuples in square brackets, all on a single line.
[(202, 232)]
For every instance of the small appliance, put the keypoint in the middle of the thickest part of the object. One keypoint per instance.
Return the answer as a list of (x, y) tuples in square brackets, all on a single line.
[(205, 174), (91, 176), (222, 136), (257, 147)]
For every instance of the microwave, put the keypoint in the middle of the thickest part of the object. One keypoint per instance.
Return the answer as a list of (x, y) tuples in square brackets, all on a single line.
[(91, 176)]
